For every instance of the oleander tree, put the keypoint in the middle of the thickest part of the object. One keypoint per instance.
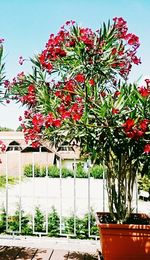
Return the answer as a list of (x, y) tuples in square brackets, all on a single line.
[(79, 92)]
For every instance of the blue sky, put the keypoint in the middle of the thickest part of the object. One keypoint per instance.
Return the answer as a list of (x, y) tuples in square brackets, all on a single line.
[(26, 25)]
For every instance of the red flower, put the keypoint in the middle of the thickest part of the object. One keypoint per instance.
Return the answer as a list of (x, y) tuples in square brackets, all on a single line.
[(70, 44), (130, 134), (132, 39), (31, 88), (58, 93), (70, 85), (115, 111), (60, 52), (103, 93), (117, 93), (57, 122), (114, 51), (21, 60), (121, 64), (76, 117), (138, 133), (144, 124), (136, 60), (114, 65), (145, 92), (147, 148), (35, 144), (1, 40), (75, 107), (80, 78), (2, 146), (147, 82), (128, 124), (27, 114), (66, 114), (92, 82), (67, 99), (49, 120), (48, 66), (6, 83), (38, 120)]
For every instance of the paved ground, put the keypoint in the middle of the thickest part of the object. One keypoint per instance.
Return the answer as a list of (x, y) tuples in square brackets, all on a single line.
[(55, 243)]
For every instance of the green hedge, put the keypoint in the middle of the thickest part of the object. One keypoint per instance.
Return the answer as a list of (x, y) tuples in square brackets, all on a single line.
[(144, 183), (53, 224), (53, 172), (11, 180)]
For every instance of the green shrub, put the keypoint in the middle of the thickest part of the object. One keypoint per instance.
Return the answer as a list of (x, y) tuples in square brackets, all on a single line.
[(39, 221), (53, 223), (38, 171), (81, 226), (53, 171), (80, 173), (11, 180), (69, 225), (67, 173), (2, 220), (144, 183), (97, 171), (42, 171), (14, 221)]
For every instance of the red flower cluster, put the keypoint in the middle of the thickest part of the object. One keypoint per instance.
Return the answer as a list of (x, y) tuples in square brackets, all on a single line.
[(132, 40), (122, 28), (74, 110), (115, 110), (144, 91), (54, 49), (32, 133), (64, 44), (134, 130), (80, 78), (2, 146), (50, 120), (30, 98), (147, 148), (87, 37)]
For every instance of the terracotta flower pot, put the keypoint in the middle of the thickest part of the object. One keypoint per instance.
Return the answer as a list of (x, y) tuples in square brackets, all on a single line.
[(125, 241)]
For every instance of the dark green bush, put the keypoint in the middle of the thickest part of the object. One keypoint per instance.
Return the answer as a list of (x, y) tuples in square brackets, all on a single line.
[(11, 180), (81, 226), (28, 170), (97, 171), (53, 171), (2, 220), (13, 223), (39, 221), (80, 173), (53, 223), (144, 183), (67, 173)]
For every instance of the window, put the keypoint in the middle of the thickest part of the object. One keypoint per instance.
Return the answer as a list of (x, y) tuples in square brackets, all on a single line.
[(14, 146), (65, 148)]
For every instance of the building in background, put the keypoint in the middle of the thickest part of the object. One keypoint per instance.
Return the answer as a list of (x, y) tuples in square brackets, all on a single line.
[(19, 153)]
